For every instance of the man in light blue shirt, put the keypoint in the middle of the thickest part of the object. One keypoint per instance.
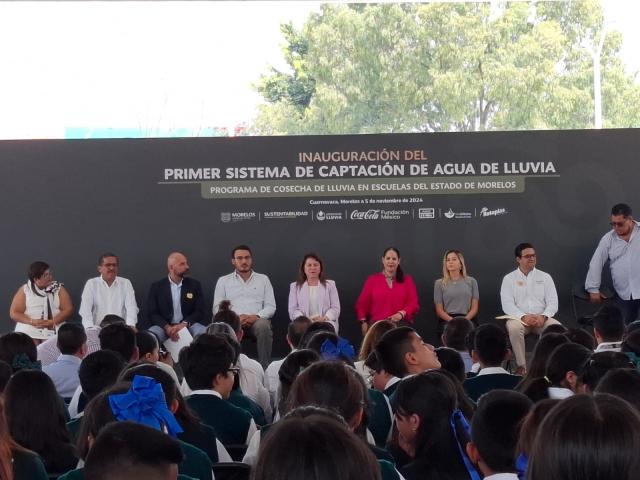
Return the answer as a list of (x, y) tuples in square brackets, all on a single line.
[(251, 297), (72, 342), (621, 248)]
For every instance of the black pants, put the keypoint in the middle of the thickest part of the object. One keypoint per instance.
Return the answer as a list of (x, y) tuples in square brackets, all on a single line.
[(629, 309)]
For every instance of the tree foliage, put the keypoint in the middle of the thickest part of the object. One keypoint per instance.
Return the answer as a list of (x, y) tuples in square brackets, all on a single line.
[(380, 68)]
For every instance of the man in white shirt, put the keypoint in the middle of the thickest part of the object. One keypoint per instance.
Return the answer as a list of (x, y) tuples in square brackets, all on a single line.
[(530, 299), (251, 297), (108, 294), (608, 328)]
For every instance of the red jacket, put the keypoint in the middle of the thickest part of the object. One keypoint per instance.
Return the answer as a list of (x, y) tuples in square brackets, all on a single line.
[(378, 302)]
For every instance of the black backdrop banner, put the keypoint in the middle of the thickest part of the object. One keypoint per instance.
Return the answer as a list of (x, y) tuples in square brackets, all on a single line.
[(346, 198)]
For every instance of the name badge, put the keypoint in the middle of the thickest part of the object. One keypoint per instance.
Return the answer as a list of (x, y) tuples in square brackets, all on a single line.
[(520, 284), (189, 295)]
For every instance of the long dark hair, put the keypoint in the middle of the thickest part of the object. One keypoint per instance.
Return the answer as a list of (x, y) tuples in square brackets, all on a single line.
[(295, 363), (543, 349), (302, 277), (399, 272)]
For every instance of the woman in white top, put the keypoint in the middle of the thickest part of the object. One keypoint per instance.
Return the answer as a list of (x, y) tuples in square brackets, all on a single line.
[(312, 295), (42, 305)]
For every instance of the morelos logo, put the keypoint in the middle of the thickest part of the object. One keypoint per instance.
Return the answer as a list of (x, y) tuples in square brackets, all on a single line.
[(485, 212), (368, 215), (225, 217)]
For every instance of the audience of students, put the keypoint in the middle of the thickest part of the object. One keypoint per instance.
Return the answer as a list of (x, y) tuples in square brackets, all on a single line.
[(608, 328), (528, 429), (402, 352), (380, 379), (581, 337), (623, 383), (369, 342), (541, 352), (455, 335), (451, 361), (72, 343), (601, 363)]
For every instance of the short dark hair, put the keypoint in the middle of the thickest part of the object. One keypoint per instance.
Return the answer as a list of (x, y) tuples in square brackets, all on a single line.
[(491, 345), (494, 429), (456, 331), (240, 247), (147, 342), (71, 338), (631, 343), (553, 328), (610, 323), (36, 270), (228, 316), (100, 370), (621, 209), (111, 319), (296, 329), (131, 450), (313, 329), (373, 363), (107, 255), (451, 361), (119, 338), (5, 375), (632, 327), (392, 349), (202, 361), (294, 364), (623, 383), (17, 343), (471, 340), (600, 364), (581, 337), (521, 247)]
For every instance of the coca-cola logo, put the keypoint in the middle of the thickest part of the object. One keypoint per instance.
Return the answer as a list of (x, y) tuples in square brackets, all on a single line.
[(368, 215)]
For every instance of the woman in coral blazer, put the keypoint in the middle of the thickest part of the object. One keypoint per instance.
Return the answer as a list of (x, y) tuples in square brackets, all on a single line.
[(312, 295), (389, 295)]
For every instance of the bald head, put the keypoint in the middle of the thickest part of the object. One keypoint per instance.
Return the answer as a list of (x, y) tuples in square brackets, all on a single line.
[(177, 266)]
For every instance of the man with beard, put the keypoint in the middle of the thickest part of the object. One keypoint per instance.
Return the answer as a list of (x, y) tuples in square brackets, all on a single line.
[(251, 297), (176, 302)]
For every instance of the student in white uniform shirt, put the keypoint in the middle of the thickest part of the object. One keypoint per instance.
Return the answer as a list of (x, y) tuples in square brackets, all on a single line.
[(609, 329), (530, 299), (494, 433), (108, 294)]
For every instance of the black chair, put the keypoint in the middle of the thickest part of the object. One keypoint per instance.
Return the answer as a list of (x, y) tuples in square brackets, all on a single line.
[(236, 452), (231, 471), (579, 293)]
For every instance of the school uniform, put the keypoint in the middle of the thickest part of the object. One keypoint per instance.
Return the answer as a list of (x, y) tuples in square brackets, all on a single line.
[(442, 469), (238, 399), (78, 474), (559, 393), (488, 379), (203, 438), (233, 425), (381, 421), (391, 386), (502, 476), (74, 428), (28, 466)]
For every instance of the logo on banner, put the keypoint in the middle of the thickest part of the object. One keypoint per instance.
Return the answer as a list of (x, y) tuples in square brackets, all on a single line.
[(451, 214), (426, 213), (225, 217), (328, 216), (267, 215), (485, 212), (367, 215), (394, 214)]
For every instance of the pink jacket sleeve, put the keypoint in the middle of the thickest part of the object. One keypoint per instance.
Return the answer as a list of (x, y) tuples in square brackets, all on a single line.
[(411, 306), (363, 304)]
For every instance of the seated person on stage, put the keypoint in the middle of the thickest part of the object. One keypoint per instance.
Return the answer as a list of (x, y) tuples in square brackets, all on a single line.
[(456, 293), (492, 351), (381, 380), (132, 451), (295, 330), (251, 297), (455, 336), (609, 329), (108, 294), (64, 371), (495, 433), (209, 371), (176, 302), (402, 352), (529, 299)]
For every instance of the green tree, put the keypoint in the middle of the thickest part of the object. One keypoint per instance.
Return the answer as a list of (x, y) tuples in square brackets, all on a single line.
[(381, 68)]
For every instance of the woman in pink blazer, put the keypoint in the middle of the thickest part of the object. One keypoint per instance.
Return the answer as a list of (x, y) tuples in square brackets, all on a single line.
[(312, 295)]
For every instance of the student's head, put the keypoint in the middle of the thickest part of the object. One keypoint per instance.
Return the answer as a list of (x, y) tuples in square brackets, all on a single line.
[(295, 363), (624, 383), (132, 451), (72, 339), (564, 369), (148, 348), (119, 338), (463, 403), (373, 336), (209, 365), (331, 347), (223, 328), (331, 385), (296, 330), (581, 337), (379, 376), (164, 379), (494, 431), (553, 328), (111, 319), (608, 325), (228, 316), (541, 352), (99, 371), (631, 343), (632, 327), (531, 423), (455, 333), (471, 345), (451, 361), (600, 364), (402, 352), (491, 346), (587, 438), (15, 344), (314, 448), (314, 328), (35, 415), (5, 375)]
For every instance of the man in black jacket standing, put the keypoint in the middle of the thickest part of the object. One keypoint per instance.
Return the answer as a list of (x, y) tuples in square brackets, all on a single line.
[(176, 302)]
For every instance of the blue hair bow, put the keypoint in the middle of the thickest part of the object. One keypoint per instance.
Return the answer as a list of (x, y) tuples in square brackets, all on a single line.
[(22, 362), (145, 403), (458, 416), (522, 463), (329, 351)]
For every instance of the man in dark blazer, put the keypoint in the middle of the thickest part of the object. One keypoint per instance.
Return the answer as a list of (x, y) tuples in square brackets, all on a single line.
[(166, 314)]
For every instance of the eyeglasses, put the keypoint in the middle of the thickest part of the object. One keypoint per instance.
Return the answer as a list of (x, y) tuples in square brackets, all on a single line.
[(108, 265), (617, 224), (248, 257), (47, 276), (234, 370), (530, 256)]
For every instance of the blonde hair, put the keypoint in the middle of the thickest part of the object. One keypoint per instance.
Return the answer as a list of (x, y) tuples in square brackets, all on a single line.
[(373, 336), (446, 278)]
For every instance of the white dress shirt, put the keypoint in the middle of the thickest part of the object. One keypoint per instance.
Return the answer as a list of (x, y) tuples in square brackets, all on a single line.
[(492, 371), (559, 393), (502, 476), (533, 294), (253, 297), (314, 311), (176, 289), (252, 426), (609, 347), (624, 263), (99, 299)]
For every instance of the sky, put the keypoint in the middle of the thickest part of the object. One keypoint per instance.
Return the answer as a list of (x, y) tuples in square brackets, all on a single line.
[(157, 65)]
